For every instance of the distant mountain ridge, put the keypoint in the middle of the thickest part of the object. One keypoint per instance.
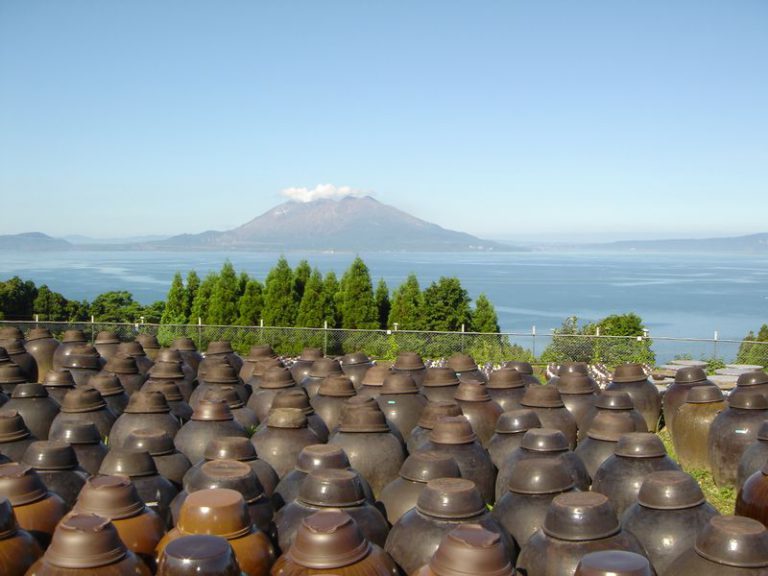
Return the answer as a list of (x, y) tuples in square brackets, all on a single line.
[(33, 242), (750, 243)]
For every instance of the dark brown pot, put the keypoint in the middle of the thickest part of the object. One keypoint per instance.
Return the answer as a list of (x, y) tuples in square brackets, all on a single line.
[(10, 376), (188, 351), (355, 365), (480, 410), (439, 384), (111, 390), (676, 393), (144, 410), (603, 434), (223, 348), (150, 345), (33, 404), (756, 380), (15, 437), (510, 428), (177, 373), (272, 382), (198, 554), (220, 373), (401, 494), (86, 442), (572, 369), (83, 362), (58, 383), (755, 456), (579, 397), (321, 368), (669, 512), (41, 345), (374, 380), (442, 506), (433, 411), (576, 524), (173, 396), (297, 398), (401, 402), (260, 357), (453, 436), (170, 463), (613, 401), (56, 464), (752, 498), (631, 378), (549, 407), (465, 367), (732, 431), (106, 344), (506, 387), (69, 340), (280, 443), (302, 365), (614, 563), (18, 549), (210, 420), (637, 455), (240, 412), (691, 437), (84, 404), (331, 395), (411, 363), (525, 369), (19, 356), (127, 371)]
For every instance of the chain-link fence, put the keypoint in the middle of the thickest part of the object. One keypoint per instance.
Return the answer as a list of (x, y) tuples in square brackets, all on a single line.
[(484, 347)]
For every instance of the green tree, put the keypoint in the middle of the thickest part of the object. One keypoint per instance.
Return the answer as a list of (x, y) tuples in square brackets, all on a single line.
[(17, 299), (50, 305), (484, 317), (222, 307), (301, 275), (383, 305), (314, 309), (407, 305), (175, 302), (251, 304), (280, 306), (446, 305), (331, 291), (152, 313), (191, 286), (116, 306), (754, 348), (202, 297), (356, 302)]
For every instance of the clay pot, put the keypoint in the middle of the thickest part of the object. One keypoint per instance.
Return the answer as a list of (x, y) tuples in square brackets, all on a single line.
[(411, 363), (302, 365), (170, 463), (480, 410), (506, 387), (331, 541), (533, 484), (631, 378), (111, 390), (86, 442), (32, 403), (439, 384), (37, 510), (637, 454), (727, 546), (58, 383), (433, 411), (240, 412), (525, 369), (106, 344), (444, 504), (401, 402), (702, 405), (211, 419), (732, 431), (198, 554), (603, 434), (259, 357), (223, 512), (188, 350), (755, 456), (174, 398), (222, 348), (69, 340), (284, 437), (116, 499), (469, 549), (144, 410), (510, 428), (576, 524), (669, 512), (19, 356), (355, 365), (297, 398), (374, 380), (83, 362), (41, 345), (219, 373), (549, 407), (321, 368), (572, 369), (676, 393), (134, 350), (613, 563), (756, 380), (127, 371), (56, 464), (331, 394), (84, 404), (465, 367), (88, 545), (15, 437), (18, 549), (272, 382), (578, 395), (258, 370), (545, 443), (177, 373), (402, 493), (10, 376), (613, 401), (149, 344), (751, 499)]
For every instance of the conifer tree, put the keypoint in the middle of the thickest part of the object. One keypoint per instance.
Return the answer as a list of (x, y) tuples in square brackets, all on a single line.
[(175, 302), (446, 305), (408, 305), (251, 304), (202, 297), (314, 309), (301, 275), (222, 307), (383, 304), (191, 286), (356, 302), (484, 317), (331, 294), (280, 306)]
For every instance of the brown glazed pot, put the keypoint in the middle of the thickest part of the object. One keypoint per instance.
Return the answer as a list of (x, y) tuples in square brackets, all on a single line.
[(19, 356), (331, 395), (321, 368), (752, 498), (631, 378), (41, 345), (219, 373), (480, 410), (756, 380), (15, 437), (576, 524), (10, 376), (755, 456), (506, 387), (145, 410), (176, 372), (297, 398), (175, 399), (198, 554), (726, 546), (127, 371), (533, 485), (465, 367), (603, 435), (259, 357), (442, 506), (355, 365), (433, 411), (170, 463), (453, 435), (88, 545), (469, 549), (223, 512), (116, 499), (211, 419), (284, 437), (571, 368), (411, 363), (330, 542), (439, 384), (620, 477), (401, 402), (18, 549), (331, 489), (374, 380), (56, 464), (258, 369), (545, 443), (83, 362), (510, 428), (223, 348), (149, 344), (525, 369), (32, 403), (37, 510), (58, 383), (613, 563), (271, 383), (240, 412), (86, 442), (301, 366), (188, 349), (732, 431), (106, 344), (84, 404), (613, 401), (69, 340), (111, 390), (676, 393), (549, 407), (579, 396), (669, 512), (691, 437), (401, 494)]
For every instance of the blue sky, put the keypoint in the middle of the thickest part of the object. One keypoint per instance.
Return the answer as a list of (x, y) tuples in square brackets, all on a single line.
[(538, 119)]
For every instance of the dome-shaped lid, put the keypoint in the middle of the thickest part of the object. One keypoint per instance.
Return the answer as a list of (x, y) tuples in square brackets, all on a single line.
[(613, 563), (452, 430), (706, 394), (542, 397), (218, 511), (219, 347), (544, 440), (122, 364), (354, 359), (471, 391), (12, 426), (221, 373), (376, 374), (154, 440), (78, 432), (184, 344), (734, 541), (433, 411), (106, 337), (226, 394), (168, 356), (753, 378), (21, 484), (362, 415), (163, 370), (259, 352), (229, 474), (573, 368), (83, 541), (107, 383), (451, 498), (670, 490), (131, 349), (690, 375), (629, 372), (50, 455), (286, 418), (14, 347), (471, 550), (72, 336), (172, 393), (322, 457), (82, 399), (610, 425), (293, 398), (212, 411), (38, 334), (517, 421), (575, 383), (540, 476), (579, 516), (640, 445), (277, 377), (310, 354), (429, 465), (409, 361), (198, 554), (83, 356), (332, 488), (328, 539), (323, 367), (337, 386), (747, 399), (614, 400), (148, 341), (125, 462), (461, 363), (10, 373), (29, 390), (505, 378), (230, 448), (147, 402), (439, 376), (399, 383), (112, 497), (59, 378), (522, 367)]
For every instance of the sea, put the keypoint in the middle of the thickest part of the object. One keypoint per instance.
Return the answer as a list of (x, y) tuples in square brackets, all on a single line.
[(696, 296)]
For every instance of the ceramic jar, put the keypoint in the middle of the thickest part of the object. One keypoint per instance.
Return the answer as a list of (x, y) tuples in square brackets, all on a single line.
[(549, 407), (401, 402), (176, 373), (127, 371), (297, 398), (188, 350), (58, 383), (198, 554), (506, 387), (18, 549), (170, 463), (111, 390), (613, 401), (272, 382), (330, 397), (240, 412), (613, 563), (755, 456), (676, 393), (603, 434), (637, 454), (69, 340), (260, 356), (442, 506), (83, 362), (15, 437), (301, 366), (284, 437), (751, 499), (219, 374), (56, 464), (211, 419), (223, 348), (432, 412), (19, 356), (465, 367), (175, 399), (525, 369), (578, 395), (411, 363), (479, 409), (86, 442), (632, 379), (374, 380), (702, 405), (10, 376), (355, 365), (32, 403), (321, 369), (149, 344), (569, 369), (106, 344), (669, 512), (510, 429), (145, 410), (84, 404), (41, 345), (439, 384), (756, 380)]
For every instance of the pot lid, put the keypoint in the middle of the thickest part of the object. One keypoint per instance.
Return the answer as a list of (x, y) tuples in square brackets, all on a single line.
[(328, 539), (226, 394), (670, 490), (336, 386), (354, 359), (154, 440), (171, 391), (753, 378), (575, 383), (112, 497), (148, 341), (12, 426), (203, 553), (213, 411), (50, 455), (429, 465), (322, 457), (436, 410), (469, 391), (573, 368), (690, 375), (471, 550), (184, 344), (704, 394), (747, 399), (522, 367), (10, 373), (332, 488), (517, 421), (221, 373), (218, 347), (38, 334), (257, 352), (540, 476), (122, 364), (277, 377), (72, 336), (399, 383), (14, 347), (106, 337), (29, 390), (610, 425), (452, 430), (230, 474), (82, 399), (542, 397), (286, 418), (84, 357), (505, 378), (164, 370), (323, 367), (409, 361), (440, 376), (461, 363), (147, 402), (293, 398), (125, 462), (131, 349), (78, 432), (59, 378), (230, 448), (362, 415), (450, 498), (218, 511), (83, 541), (580, 516), (168, 355), (107, 383), (629, 372), (614, 400), (734, 541), (640, 445), (376, 374), (544, 440), (310, 354), (21, 484)]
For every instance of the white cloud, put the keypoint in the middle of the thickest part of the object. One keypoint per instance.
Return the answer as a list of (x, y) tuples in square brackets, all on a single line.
[(320, 191)]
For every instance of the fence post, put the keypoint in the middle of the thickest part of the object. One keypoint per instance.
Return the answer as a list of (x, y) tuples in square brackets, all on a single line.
[(533, 336), (462, 337), (199, 333), (93, 328), (325, 337), (714, 346)]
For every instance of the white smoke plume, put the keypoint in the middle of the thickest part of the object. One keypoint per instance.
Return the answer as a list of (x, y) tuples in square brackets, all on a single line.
[(320, 191)]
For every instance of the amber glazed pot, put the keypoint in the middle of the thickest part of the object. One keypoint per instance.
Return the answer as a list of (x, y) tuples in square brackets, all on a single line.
[(198, 554), (18, 549), (676, 393), (691, 437)]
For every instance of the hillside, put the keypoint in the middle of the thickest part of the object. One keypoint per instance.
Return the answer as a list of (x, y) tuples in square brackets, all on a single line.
[(32, 242)]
